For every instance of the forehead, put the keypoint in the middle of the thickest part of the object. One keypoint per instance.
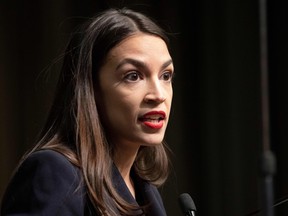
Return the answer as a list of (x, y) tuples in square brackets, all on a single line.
[(140, 44)]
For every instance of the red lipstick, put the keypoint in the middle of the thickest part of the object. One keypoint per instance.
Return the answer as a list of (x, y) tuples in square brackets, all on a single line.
[(153, 119)]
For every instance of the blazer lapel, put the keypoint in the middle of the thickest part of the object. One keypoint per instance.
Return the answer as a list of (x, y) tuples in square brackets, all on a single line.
[(147, 195), (123, 190)]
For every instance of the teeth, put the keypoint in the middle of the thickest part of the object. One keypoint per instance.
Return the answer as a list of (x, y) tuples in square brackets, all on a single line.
[(155, 117), (152, 120)]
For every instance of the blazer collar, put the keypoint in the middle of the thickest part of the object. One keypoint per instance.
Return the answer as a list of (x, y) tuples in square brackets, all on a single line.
[(146, 194)]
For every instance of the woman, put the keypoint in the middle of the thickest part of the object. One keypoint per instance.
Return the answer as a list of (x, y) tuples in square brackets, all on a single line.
[(101, 151)]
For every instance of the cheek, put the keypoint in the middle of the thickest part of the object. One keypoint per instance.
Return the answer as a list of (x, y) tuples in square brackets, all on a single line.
[(117, 105), (120, 116), (106, 103), (169, 95), (169, 99)]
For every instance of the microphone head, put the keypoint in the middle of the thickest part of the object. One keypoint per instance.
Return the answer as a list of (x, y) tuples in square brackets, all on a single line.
[(186, 203)]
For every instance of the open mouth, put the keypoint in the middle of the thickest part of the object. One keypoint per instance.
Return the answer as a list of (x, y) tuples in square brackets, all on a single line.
[(153, 120)]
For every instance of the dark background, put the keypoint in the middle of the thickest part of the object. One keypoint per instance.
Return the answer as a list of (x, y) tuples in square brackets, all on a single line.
[(215, 128)]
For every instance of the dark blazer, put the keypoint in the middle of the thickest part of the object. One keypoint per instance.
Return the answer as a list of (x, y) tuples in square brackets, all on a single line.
[(48, 184)]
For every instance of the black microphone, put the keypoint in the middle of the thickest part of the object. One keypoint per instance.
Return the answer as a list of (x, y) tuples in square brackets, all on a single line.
[(187, 204)]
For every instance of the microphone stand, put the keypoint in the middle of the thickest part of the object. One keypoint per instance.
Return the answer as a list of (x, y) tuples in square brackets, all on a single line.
[(268, 163)]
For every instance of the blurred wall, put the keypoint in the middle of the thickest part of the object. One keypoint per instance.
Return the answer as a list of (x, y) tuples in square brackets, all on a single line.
[(215, 128)]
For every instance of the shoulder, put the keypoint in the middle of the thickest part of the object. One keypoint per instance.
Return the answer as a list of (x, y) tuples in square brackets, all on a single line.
[(47, 183), (49, 156), (49, 160), (48, 167)]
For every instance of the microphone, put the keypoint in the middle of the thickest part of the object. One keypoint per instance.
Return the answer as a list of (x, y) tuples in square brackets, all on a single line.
[(187, 204)]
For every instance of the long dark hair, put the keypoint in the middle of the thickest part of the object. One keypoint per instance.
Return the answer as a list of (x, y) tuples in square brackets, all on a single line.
[(74, 127)]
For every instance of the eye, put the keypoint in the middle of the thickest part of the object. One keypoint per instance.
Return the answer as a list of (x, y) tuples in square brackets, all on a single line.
[(132, 76), (167, 76)]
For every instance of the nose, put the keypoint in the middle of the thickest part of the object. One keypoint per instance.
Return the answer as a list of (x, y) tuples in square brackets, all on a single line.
[(155, 92)]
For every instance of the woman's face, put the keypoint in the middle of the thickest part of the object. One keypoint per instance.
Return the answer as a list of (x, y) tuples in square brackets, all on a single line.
[(135, 93)]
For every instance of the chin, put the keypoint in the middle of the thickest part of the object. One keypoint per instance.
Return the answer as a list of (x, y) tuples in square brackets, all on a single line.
[(153, 142)]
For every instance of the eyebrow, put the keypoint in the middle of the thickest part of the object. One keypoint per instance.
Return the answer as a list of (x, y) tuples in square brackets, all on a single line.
[(141, 64)]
